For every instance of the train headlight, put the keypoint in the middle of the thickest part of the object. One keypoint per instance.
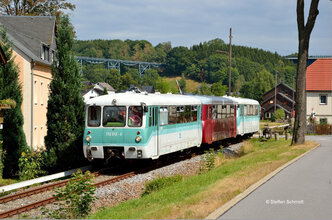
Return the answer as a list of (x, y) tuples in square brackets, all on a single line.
[(138, 139), (88, 138)]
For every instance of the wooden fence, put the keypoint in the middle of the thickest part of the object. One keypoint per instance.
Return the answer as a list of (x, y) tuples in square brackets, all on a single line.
[(319, 129)]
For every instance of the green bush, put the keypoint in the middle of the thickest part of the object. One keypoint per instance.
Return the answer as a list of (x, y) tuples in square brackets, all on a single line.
[(2, 158), (75, 200), (208, 161), (30, 164), (279, 114), (160, 183)]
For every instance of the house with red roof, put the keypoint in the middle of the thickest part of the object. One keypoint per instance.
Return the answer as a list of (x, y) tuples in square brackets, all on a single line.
[(319, 90)]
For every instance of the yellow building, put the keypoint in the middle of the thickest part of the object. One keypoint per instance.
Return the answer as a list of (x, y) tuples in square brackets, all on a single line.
[(33, 39)]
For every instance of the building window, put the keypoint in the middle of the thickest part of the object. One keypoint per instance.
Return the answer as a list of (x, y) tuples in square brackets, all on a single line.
[(35, 138), (41, 136), (45, 52), (41, 93), (52, 55), (35, 92), (267, 115), (323, 99), (323, 121)]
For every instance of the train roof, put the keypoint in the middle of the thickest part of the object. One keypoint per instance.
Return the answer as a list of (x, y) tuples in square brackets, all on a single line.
[(131, 98), (239, 100), (213, 99)]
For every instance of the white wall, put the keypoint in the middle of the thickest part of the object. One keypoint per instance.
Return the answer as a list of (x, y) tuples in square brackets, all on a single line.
[(321, 110)]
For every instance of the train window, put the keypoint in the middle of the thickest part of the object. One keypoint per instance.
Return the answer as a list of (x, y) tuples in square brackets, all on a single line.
[(172, 115), (94, 116), (114, 116), (163, 114), (155, 120), (219, 110), (214, 111), (179, 114), (223, 111), (194, 113), (135, 115), (150, 117), (228, 109), (187, 113), (209, 112), (245, 110), (251, 109), (232, 110)]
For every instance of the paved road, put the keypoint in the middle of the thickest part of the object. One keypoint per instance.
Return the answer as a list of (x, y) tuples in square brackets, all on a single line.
[(303, 190)]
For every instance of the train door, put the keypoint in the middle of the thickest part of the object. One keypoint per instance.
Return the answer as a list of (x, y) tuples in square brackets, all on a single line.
[(241, 120), (244, 121), (153, 124), (209, 129)]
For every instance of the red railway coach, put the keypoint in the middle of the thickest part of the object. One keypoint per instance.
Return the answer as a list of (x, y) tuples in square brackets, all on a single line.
[(218, 118)]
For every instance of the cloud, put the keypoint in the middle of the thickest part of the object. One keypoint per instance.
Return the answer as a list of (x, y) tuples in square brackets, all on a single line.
[(269, 23)]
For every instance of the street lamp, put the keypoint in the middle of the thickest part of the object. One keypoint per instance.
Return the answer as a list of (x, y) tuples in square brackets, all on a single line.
[(230, 66)]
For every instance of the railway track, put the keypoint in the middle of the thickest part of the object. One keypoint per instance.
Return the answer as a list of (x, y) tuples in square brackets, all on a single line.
[(61, 183), (49, 200)]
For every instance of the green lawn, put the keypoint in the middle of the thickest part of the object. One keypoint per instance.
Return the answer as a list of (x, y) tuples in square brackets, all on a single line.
[(197, 196)]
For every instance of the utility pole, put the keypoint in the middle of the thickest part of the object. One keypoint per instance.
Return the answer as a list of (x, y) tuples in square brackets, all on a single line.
[(293, 100), (275, 93), (230, 61)]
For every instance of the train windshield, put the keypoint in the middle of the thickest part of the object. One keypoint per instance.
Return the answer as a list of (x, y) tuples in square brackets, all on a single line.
[(94, 116), (114, 116), (135, 115)]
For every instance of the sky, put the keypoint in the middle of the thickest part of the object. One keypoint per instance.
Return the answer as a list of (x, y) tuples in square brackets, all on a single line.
[(266, 24)]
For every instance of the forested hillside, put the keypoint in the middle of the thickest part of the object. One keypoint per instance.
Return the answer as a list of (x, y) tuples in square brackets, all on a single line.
[(253, 70)]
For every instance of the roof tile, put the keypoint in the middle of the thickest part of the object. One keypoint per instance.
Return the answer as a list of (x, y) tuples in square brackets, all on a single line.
[(319, 75)]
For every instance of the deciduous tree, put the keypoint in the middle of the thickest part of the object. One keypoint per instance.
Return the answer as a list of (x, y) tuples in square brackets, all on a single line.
[(304, 32), (35, 7), (218, 89), (114, 79)]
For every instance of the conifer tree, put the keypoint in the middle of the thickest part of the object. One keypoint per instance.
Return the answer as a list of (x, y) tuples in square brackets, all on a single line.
[(65, 115), (183, 83), (14, 142)]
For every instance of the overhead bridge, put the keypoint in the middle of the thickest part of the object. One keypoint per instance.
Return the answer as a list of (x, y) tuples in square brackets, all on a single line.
[(115, 64)]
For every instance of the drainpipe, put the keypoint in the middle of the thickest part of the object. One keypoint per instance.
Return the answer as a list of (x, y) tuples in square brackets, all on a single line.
[(33, 63)]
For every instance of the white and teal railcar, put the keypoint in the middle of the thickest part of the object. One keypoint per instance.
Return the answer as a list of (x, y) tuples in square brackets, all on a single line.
[(136, 125), (247, 115)]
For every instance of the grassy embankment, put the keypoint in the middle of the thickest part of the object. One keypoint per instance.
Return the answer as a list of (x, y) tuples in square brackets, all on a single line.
[(191, 85), (197, 196), (4, 182)]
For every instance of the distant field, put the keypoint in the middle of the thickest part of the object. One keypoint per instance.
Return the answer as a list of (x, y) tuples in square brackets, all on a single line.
[(191, 85)]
